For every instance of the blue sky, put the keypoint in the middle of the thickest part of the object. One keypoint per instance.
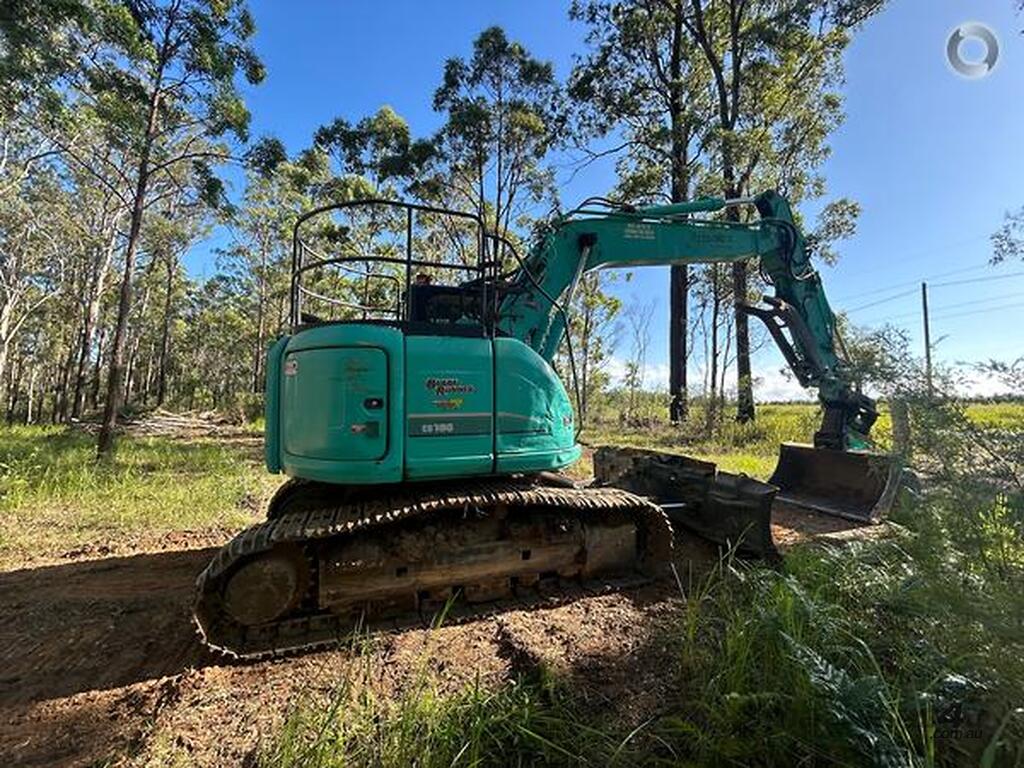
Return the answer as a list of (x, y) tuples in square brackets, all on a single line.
[(934, 159)]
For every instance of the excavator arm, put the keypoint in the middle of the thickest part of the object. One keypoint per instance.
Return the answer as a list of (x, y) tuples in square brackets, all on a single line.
[(797, 315)]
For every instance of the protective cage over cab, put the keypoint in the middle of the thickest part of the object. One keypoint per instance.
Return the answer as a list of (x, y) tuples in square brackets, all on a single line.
[(394, 368)]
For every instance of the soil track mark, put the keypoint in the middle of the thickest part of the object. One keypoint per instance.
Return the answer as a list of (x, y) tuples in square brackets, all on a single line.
[(98, 624)]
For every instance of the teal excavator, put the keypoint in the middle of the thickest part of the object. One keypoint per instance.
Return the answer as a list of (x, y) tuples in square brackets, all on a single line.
[(423, 425)]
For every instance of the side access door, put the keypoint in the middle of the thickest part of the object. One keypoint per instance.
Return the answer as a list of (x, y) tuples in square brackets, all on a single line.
[(335, 403)]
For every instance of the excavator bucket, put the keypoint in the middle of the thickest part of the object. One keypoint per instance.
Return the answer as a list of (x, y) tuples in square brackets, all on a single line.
[(854, 485), (813, 493)]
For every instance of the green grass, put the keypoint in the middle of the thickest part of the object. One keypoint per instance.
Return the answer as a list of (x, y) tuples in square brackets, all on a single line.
[(55, 497), (997, 415), (857, 656), (522, 722), (753, 448), (748, 448)]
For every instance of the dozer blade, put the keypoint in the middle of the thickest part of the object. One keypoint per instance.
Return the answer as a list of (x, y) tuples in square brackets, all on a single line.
[(813, 494), (854, 485), (733, 510)]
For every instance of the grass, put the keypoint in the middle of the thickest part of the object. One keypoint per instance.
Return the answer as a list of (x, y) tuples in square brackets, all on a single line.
[(526, 721), (751, 449), (55, 497), (997, 415), (860, 656)]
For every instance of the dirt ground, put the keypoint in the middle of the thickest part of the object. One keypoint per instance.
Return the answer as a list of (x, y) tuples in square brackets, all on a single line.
[(100, 661)]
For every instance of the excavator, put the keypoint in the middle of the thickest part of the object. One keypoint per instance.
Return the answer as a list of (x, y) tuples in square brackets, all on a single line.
[(423, 425)]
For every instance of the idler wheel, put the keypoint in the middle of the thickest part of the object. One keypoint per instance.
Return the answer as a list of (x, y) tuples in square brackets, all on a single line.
[(267, 586)]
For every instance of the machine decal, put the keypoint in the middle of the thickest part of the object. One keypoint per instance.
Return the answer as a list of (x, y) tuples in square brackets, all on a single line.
[(291, 367), (637, 230), (451, 404), (449, 425), (448, 386)]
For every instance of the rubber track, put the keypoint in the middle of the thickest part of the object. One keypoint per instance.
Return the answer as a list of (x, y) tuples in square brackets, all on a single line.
[(294, 633)]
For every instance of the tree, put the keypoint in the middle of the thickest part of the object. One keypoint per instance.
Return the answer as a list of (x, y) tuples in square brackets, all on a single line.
[(643, 83), (1008, 240), (638, 318), (258, 260), (160, 79), (166, 237), (41, 41), (774, 67), (502, 117), (593, 334), (32, 259), (378, 148)]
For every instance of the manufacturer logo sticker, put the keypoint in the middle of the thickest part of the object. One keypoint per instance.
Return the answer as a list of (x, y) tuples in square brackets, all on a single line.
[(448, 386)]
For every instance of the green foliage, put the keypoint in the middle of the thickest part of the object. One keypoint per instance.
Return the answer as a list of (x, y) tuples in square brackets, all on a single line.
[(837, 221), (502, 116), (856, 655), (519, 723), (593, 333), (379, 147), (532, 719), (40, 41)]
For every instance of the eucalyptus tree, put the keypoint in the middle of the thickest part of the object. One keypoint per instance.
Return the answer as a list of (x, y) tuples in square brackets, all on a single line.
[(157, 80), (502, 116), (718, 97), (1008, 240), (257, 260), (642, 83), (33, 256), (161, 76), (775, 70)]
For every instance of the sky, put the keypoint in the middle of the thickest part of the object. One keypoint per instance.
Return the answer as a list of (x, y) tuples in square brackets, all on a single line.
[(932, 157)]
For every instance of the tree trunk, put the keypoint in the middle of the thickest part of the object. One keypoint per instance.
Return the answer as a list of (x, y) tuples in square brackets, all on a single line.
[(712, 405), (679, 280), (94, 396), (115, 381), (677, 324), (31, 395), (744, 382), (165, 336), (6, 311), (261, 307), (65, 379), (91, 318), (132, 377), (14, 391)]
